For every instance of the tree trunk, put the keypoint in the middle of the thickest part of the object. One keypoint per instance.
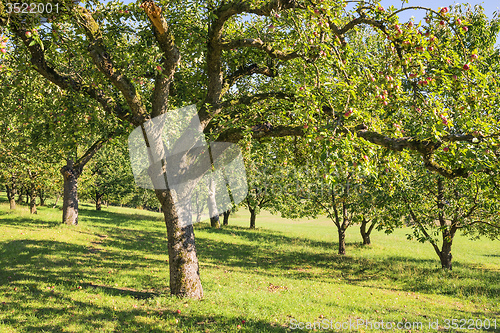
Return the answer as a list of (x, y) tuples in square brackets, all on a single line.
[(184, 270), (252, 218), (57, 200), (445, 254), (226, 217), (70, 195), (365, 234), (341, 241), (41, 195), (11, 195), (20, 198), (32, 203), (212, 204), (98, 201)]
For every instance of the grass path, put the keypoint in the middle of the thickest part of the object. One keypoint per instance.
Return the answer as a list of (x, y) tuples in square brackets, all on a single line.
[(110, 274)]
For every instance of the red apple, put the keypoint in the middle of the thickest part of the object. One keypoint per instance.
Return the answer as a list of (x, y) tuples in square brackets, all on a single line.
[(3, 50), (243, 321), (466, 67), (474, 56), (445, 149), (301, 88), (410, 24), (28, 34), (459, 21), (465, 28), (441, 22), (380, 9), (178, 311), (238, 327), (271, 27), (444, 10), (159, 68), (428, 20)]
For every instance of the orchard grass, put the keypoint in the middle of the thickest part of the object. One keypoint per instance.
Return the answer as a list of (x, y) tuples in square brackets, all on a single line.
[(109, 274)]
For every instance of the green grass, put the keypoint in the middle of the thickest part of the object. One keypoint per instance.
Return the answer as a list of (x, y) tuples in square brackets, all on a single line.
[(110, 274)]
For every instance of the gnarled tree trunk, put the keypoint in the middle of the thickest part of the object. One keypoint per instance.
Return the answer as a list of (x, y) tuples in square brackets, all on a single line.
[(184, 270), (70, 194)]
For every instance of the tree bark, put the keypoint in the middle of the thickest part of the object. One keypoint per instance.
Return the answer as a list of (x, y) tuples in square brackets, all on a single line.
[(70, 195), (20, 198), (11, 195), (445, 254), (41, 195), (32, 203), (252, 218), (365, 234), (341, 241), (57, 199), (184, 270), (98, 200), (226, 217), (212, 204)]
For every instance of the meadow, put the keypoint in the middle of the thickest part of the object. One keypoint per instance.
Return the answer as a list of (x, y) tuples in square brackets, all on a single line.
[(110, 274)]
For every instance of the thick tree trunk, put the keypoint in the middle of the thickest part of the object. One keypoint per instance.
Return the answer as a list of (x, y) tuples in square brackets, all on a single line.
[(32, 203), (226, 217), (341, 240), (252, 218), (11, 195), (70, 194), (184, 270)]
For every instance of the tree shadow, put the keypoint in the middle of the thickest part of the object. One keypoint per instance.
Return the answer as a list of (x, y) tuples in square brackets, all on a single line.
[(318, 261)]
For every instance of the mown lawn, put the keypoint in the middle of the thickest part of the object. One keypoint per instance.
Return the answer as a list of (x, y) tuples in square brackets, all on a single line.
[(110, 274)]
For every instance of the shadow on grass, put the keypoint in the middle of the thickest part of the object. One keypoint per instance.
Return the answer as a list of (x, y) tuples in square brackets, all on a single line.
[(258, 251), (318, 261)]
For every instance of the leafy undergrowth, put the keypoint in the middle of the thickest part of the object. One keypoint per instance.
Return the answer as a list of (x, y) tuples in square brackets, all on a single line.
[(110, 274)]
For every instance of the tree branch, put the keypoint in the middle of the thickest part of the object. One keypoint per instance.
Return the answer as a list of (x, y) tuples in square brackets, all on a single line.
[(104, 63), (259, 44), (68, 82), (248, 100), (171, 57), (249, 70)]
